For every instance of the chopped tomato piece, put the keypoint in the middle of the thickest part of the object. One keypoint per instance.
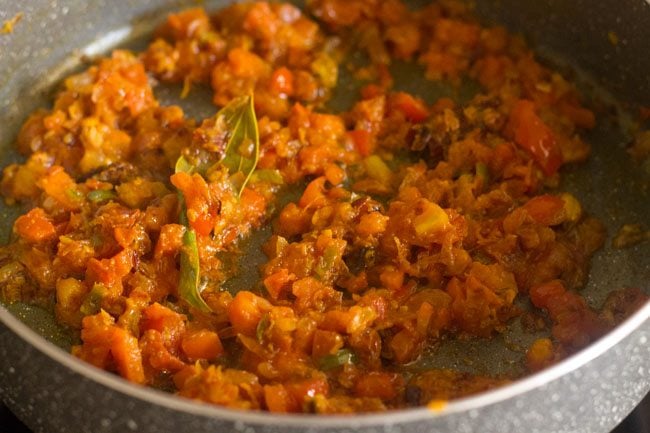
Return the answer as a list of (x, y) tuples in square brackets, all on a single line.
[(413, 108), (202, 344), (534, 136), (378, 384), (246, 311), (126, 353), (282, 81), (308, 388), (35, 226), (202, 208), (363, 141), (278, 399), (546, 209)]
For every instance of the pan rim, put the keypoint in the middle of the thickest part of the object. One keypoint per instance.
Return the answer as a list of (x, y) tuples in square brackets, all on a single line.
[(474, 402)]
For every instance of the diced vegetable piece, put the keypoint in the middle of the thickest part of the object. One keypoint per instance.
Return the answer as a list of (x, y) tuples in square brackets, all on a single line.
[(326, 343), (127, 356), (535, 137), (334, 174), (363, 141), (202, 344), (546, 209), (350, 321), (278, 282), (572, 208), (202, 210), (302, 390), (246, 311), (314, 193), (377, 169), (111, 271), (413, 108), (93, 301), (60, 186), (372, 224), (103, 341), (381, 385), (325, 68), (540, 354), (432, 219), (281, 82), (69, 296), (35, 226), (278, 399)]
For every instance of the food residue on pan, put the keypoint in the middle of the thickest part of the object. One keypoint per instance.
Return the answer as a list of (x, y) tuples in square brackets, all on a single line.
[(415, 221), (629, 235), (640, 148), (613, 37), (9, 25)]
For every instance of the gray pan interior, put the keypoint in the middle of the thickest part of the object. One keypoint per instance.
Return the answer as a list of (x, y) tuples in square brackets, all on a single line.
[(54, 37)]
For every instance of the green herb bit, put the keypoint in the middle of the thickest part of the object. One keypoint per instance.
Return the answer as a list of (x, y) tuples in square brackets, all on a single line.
[(100, 195), (327, 261), (483, 172), (74, 194), (338, 359), (189, 287), (243, 148), (183, 166), (240, 158), (262, 326), (92, 303)]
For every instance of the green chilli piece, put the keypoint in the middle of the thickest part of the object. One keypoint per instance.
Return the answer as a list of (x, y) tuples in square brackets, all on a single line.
[(243, 148), (338, 359), (74, 194), (100, 195)]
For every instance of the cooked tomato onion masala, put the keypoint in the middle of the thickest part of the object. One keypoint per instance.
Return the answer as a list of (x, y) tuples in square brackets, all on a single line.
[(414, 222)]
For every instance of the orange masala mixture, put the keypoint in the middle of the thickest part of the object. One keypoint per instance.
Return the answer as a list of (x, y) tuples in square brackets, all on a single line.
[(414, 222)]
